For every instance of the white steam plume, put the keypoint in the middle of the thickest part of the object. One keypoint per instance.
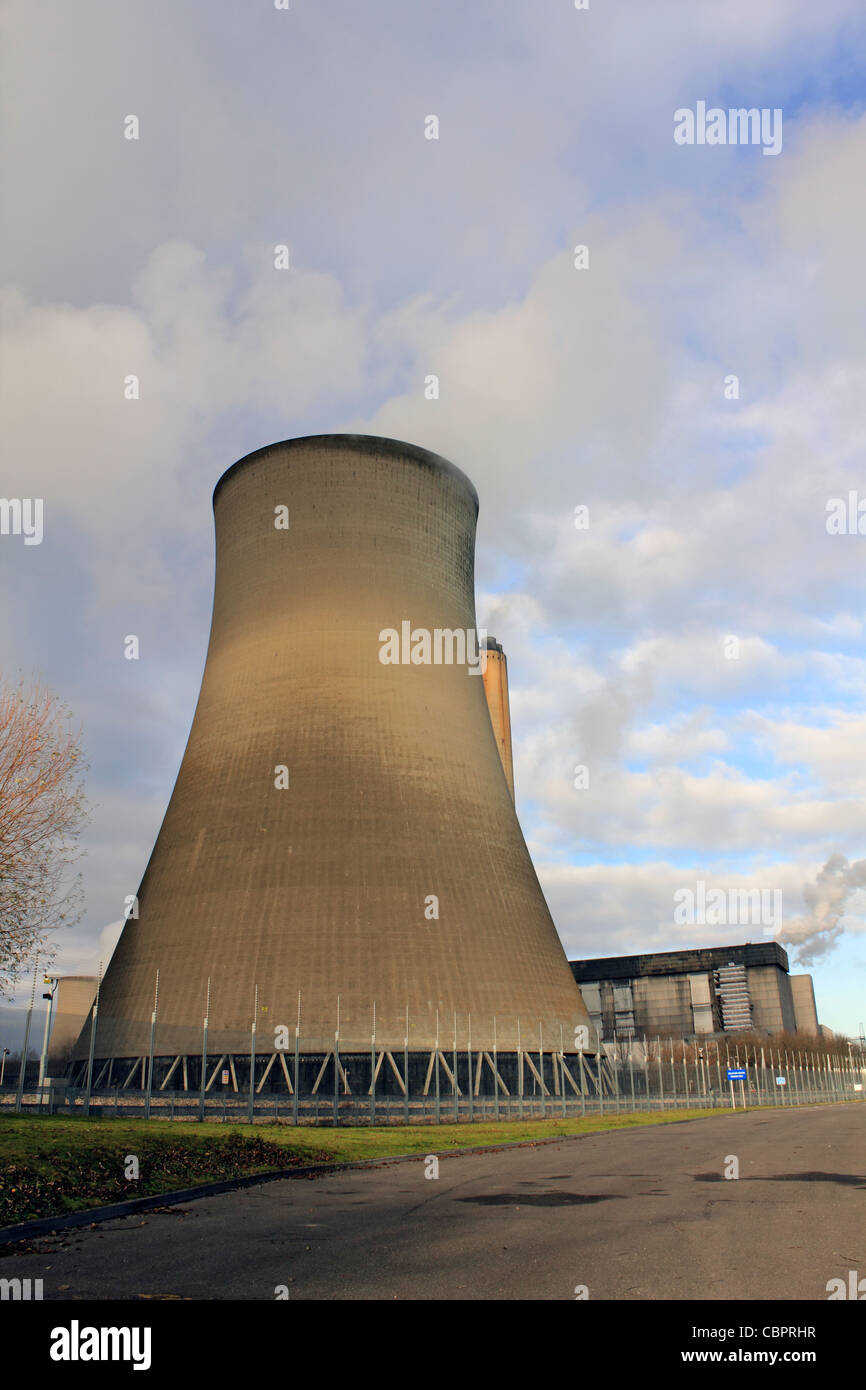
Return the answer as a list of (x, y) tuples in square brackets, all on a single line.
[(826, 899)]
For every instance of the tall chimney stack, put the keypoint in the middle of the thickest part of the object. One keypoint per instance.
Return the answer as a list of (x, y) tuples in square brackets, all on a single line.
[(496, 690)]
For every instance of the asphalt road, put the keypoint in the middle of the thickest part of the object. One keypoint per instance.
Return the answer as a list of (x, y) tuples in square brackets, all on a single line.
[(645, 1214)]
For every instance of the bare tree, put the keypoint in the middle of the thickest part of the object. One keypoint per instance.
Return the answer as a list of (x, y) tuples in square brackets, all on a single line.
[(42, 810)]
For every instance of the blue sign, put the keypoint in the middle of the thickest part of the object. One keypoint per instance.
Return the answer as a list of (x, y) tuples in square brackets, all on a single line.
[(736, 1073)]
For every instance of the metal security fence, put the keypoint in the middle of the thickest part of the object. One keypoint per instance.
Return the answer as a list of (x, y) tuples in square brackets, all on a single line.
[(459, 1085)]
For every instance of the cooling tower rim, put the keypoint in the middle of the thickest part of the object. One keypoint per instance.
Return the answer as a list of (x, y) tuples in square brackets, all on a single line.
[(362, 443)]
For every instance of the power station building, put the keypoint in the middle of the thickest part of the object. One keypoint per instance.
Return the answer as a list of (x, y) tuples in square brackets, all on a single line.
[(696, 993), (340, 860)]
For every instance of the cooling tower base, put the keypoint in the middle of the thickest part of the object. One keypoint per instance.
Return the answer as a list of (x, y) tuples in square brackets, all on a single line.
[(384, 1073)]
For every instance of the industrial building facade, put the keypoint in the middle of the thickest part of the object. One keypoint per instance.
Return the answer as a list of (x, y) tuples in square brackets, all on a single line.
[(696, 993)]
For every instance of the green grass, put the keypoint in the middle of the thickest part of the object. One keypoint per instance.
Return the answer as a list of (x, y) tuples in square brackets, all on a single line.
[(52, 1165)]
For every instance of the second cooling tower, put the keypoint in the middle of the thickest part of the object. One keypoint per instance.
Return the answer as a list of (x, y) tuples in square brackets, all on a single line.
[(340, 837)]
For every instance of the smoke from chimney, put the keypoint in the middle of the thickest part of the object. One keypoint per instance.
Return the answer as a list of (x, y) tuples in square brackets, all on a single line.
[(818, 932)]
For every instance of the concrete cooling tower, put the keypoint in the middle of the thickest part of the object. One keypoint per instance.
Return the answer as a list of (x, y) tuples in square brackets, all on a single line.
[(72, 1004), (340, 853)]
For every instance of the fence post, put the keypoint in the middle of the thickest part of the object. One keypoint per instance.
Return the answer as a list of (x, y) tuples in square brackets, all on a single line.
[(295, 1097), (519, 1069), (204, 1054), (149, 1091), (562, 1069), (787, 1079), (762, 1079), (727, 1061), (22, 1070), (791, 1087), (807, 1066), (436, 1068), (93, 1027), (454, 1073), (337, 1066), (406, 1067), (807, 1082), (582, 1082), (253, 1056), (373, 1069), (661, 1078), (469, 1055), (771, 1090)]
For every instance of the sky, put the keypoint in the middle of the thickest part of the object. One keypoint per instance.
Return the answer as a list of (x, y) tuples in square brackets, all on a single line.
[(695, 380)]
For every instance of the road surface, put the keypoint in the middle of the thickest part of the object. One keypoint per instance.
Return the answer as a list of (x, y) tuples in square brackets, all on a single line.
[(644, 1214)]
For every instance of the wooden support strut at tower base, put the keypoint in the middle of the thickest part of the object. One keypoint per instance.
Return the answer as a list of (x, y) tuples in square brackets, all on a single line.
[(498, 1083), (380, 1058), (347, 1090)]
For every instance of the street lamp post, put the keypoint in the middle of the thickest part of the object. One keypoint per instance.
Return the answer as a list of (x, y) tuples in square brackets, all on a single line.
[(49, 995)]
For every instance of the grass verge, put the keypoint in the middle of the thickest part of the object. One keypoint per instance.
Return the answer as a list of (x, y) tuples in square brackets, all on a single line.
[(52, 1165)]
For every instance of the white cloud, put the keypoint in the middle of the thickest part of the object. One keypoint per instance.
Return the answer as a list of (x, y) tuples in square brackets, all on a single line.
[(558, 387)]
